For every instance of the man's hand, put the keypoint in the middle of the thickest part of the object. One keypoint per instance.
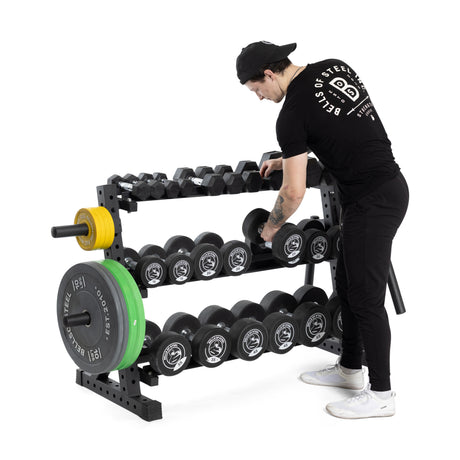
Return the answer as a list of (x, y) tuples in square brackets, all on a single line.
[(268, 166), (269, 232)]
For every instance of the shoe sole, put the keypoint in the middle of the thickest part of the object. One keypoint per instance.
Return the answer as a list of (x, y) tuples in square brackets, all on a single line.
[(351, 417), (321, 384)]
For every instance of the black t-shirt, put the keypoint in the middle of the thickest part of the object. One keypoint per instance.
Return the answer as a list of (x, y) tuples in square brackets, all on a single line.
[(328, 110)]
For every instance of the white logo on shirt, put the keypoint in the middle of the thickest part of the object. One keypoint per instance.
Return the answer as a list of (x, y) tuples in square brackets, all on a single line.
[(347, 89)]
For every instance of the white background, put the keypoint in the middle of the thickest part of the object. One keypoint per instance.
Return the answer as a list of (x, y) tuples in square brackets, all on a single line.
[(93, 88)]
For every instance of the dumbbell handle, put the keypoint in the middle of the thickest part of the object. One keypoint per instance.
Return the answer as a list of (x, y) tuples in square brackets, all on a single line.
[(267, 244), (195, 180), (69, 230), (79, 319), (127, 185)]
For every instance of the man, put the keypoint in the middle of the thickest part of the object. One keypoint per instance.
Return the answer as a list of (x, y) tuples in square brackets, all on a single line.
[(327, 110)]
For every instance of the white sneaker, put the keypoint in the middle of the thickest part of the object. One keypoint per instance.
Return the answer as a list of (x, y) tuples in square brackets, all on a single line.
[(363, 405), (334, 376)]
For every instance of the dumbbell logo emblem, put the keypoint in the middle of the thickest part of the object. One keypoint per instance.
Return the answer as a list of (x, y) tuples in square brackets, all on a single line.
[(208, 263), (315, 327), (154, 273), (292, 246), (174, 356), (284, 336), (319, 247), (238, 260), (216, 347), (181, 271), (253, 342)]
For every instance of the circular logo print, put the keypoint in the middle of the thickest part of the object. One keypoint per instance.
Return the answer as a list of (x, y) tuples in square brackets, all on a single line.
[(154, 273), (316, 327), (181, 270), (252, 342), (292, 246), (174, 356), (208, 263), (284, 335), (319, 247), (215, 348), (237, 260)]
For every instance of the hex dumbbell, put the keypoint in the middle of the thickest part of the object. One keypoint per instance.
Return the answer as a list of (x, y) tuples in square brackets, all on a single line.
[(211, 345), (206, 259), (236, 255), (250, 174), (147, 270), (179, 269), (275, 179), (185, 187), (157, 189), (234, 182), (248, 336), (169, 353), (205, 182), (138, 189), (288, 245), (160, 188)]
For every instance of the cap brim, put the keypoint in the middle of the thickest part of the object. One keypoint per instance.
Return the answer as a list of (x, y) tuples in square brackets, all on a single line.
[(283, 52)]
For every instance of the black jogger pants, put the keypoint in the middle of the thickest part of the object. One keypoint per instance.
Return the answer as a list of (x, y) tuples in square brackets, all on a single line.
[(368, 228)]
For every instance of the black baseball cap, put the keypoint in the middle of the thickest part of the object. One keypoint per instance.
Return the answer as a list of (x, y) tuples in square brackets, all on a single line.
[(258, 54)]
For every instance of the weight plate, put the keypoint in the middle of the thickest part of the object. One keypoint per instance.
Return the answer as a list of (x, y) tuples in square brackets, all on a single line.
[(283, 332), (98, 347), (207, 261), (309, 293), (252, 225), (236, 257), (248, 309), (276, 301), (179, 243), (135, 309), (314, 323), (211, 346), (210, 238), (101, 229)]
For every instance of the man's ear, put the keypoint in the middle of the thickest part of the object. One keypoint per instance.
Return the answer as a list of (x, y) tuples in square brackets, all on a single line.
[(268, 73)]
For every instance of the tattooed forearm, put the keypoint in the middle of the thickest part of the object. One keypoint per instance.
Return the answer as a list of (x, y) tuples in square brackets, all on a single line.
[(277, 216)]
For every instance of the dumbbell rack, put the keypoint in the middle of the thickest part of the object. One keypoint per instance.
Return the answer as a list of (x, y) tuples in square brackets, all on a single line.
[(127, 392)]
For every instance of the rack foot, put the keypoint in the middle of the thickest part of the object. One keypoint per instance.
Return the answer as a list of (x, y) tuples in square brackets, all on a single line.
[(145, 408)]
